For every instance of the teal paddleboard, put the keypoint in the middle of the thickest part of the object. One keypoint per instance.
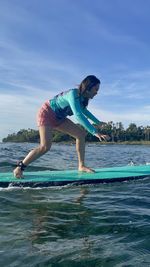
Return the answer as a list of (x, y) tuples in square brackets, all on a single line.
[(59, 178)]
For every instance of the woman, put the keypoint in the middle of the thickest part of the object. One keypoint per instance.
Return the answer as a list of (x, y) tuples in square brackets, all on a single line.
[(53, 115)]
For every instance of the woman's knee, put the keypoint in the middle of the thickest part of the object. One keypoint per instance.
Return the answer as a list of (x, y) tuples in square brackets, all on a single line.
[(82, 134), (45, 148)]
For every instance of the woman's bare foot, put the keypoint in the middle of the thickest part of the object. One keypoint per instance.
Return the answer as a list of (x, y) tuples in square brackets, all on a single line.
[(85, 169), (18, 172)]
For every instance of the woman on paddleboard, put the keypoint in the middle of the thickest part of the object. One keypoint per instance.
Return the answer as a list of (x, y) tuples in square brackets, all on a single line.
[(53, 115)]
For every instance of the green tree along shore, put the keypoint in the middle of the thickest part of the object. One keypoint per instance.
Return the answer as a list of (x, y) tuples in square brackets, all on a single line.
[(116, 132)]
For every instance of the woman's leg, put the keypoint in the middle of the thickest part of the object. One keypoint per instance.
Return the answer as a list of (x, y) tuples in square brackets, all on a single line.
[(45, 144), (79, 134)]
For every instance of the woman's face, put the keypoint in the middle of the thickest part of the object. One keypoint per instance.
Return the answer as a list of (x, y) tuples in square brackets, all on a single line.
[(93, 91)]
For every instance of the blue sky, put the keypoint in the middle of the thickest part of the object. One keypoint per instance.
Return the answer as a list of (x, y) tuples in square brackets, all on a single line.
[(47, 46)]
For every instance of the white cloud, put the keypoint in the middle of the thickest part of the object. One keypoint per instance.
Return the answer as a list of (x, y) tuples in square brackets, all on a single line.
[(138, 116), (18, 111), (147, 108)]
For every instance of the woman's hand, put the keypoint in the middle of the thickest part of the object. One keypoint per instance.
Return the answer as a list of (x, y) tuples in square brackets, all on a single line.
[(102, 137)]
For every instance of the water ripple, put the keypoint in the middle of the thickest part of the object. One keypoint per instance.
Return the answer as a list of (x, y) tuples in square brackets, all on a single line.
[(106, 225)]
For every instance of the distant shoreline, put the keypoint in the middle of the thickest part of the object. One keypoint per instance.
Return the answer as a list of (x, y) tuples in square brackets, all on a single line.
[(118, 135), (87, 142)]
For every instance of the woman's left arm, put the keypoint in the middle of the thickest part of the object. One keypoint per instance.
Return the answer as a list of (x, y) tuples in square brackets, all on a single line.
[(90, 116)]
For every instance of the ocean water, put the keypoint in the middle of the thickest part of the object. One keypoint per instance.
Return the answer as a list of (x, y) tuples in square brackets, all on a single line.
[(105, 225)]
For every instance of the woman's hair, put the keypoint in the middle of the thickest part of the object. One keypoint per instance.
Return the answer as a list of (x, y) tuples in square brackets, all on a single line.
[(86, 85)]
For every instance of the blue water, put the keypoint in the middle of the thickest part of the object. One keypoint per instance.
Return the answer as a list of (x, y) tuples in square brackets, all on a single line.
[(102, 225)]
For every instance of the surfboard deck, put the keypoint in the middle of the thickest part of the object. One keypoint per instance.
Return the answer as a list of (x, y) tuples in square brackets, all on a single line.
[(60, 178)]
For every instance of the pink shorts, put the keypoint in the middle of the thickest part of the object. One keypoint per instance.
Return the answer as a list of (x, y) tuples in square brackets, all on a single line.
[(47, 117)]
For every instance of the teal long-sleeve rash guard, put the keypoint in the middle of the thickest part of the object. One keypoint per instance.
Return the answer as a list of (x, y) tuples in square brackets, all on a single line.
[(69, 103)]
